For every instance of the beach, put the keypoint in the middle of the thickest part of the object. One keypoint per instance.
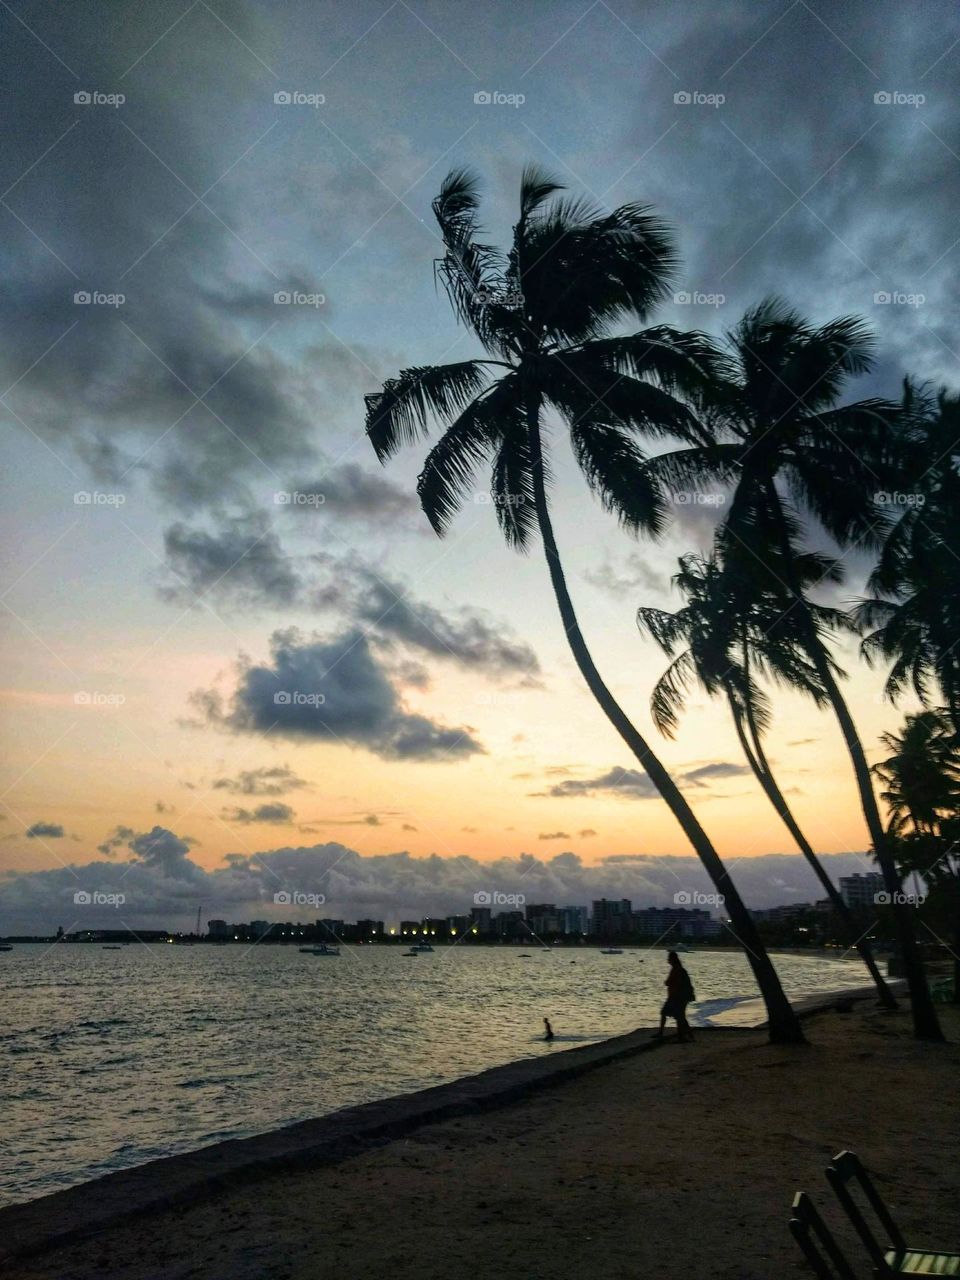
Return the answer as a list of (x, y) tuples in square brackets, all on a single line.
[(682, 1160)]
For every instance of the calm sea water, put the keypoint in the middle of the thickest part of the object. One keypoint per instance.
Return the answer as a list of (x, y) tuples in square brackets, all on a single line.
[(112, 1058)]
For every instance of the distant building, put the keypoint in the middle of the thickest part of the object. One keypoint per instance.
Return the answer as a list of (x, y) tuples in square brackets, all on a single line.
[(780, 915), (433, 927), (409, 928), (368, 930), (259, 928), (481, 919), (678, 922), (511, 925), (574, 920), (543, 919), (458, 926), (859, 891), (217, 928), (612, 918)]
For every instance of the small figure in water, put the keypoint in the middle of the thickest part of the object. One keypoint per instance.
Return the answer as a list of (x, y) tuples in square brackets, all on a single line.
[(549, 1029), (680, 993)]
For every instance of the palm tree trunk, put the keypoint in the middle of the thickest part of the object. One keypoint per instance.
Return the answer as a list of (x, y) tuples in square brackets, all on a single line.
[(784, 1025), (757, 760), (926, 1025)]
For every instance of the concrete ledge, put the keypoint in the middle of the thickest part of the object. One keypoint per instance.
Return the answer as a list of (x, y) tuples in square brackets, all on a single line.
[(64, 1217)]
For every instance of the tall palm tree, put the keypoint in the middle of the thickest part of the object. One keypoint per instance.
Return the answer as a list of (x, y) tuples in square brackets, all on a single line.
[(779, 437), (914, 616), (730, 630), (544, 313)]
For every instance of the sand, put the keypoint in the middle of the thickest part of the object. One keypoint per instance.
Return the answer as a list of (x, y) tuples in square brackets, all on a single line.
[(681, 1162)]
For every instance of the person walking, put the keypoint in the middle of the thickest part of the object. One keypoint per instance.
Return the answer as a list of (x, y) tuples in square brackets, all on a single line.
[(680, 993)]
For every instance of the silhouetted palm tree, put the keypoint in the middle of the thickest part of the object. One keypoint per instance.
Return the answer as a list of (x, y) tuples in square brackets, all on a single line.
[(543, 312), (921, 775), (732, 630), (778, 436), (915, 615)]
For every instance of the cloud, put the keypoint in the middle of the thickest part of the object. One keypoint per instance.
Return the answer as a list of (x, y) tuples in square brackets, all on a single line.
[(272, 813), (407, 826), (554, 835), (272, 780), (161, 806), (351, 492), (629, 576), (628, 784), (48, 830), (631, 784), (118, 839), (586, 833), (335, 690), (468, 637), (240, 559), (163, 885)]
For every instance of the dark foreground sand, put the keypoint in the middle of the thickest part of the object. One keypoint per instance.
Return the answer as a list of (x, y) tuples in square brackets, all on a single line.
[(677, 1163)]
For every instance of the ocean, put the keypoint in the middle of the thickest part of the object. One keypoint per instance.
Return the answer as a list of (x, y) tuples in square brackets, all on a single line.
[(112, 1058)]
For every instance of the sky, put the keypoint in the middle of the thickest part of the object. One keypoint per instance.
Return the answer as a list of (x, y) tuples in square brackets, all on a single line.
[(194, 520)]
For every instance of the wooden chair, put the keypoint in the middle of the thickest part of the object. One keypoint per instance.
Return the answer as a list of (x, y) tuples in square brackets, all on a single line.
[(818, 1245), (895, 1258)]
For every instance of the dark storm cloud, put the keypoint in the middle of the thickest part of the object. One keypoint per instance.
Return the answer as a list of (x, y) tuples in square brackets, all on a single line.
[(800, 182), (174, 376), (276, 813), (241, 560), (351, 492), (45, 830), (272, 780), (331, 690), (389, 886)]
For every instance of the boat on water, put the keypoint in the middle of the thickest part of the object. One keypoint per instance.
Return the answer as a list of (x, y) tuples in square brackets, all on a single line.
[(611, 951), (115, 947), (421, 948), (322, 950), (4, 947), (680, 947)]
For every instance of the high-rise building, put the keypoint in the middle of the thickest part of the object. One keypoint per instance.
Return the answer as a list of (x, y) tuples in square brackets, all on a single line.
[(859, 891), (217, 928), (574, 920), (481, 920), (612, 918)]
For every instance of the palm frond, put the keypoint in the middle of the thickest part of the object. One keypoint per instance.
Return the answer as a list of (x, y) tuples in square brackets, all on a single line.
[(402, 411)]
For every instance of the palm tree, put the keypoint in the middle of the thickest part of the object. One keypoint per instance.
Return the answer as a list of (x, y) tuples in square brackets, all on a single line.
[(914, 617), (544, 313), (921, 777), (777, 435), (730, 629)]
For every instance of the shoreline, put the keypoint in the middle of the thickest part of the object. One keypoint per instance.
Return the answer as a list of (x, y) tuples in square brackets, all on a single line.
[(68, 1216)]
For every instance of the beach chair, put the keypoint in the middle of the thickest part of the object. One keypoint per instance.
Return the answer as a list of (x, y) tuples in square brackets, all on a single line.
[(816, 1243), (895, 1258)]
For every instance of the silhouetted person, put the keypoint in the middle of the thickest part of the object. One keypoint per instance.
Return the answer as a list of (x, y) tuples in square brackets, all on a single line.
[(549, 1029), (679, 994)]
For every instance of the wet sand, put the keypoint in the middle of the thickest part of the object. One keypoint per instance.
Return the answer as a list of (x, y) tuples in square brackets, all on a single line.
[(681, 1161)]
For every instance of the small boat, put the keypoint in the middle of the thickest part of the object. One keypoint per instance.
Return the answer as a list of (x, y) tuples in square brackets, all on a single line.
[(524, 955), (410, 955), (116, 947), (4, 947), (680, 947), (611, 951), (420, 948), (322, 950)]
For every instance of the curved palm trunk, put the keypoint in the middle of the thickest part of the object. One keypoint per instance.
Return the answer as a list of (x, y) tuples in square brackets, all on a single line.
[(783, 1023), (756, 757), (926, 1025)]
